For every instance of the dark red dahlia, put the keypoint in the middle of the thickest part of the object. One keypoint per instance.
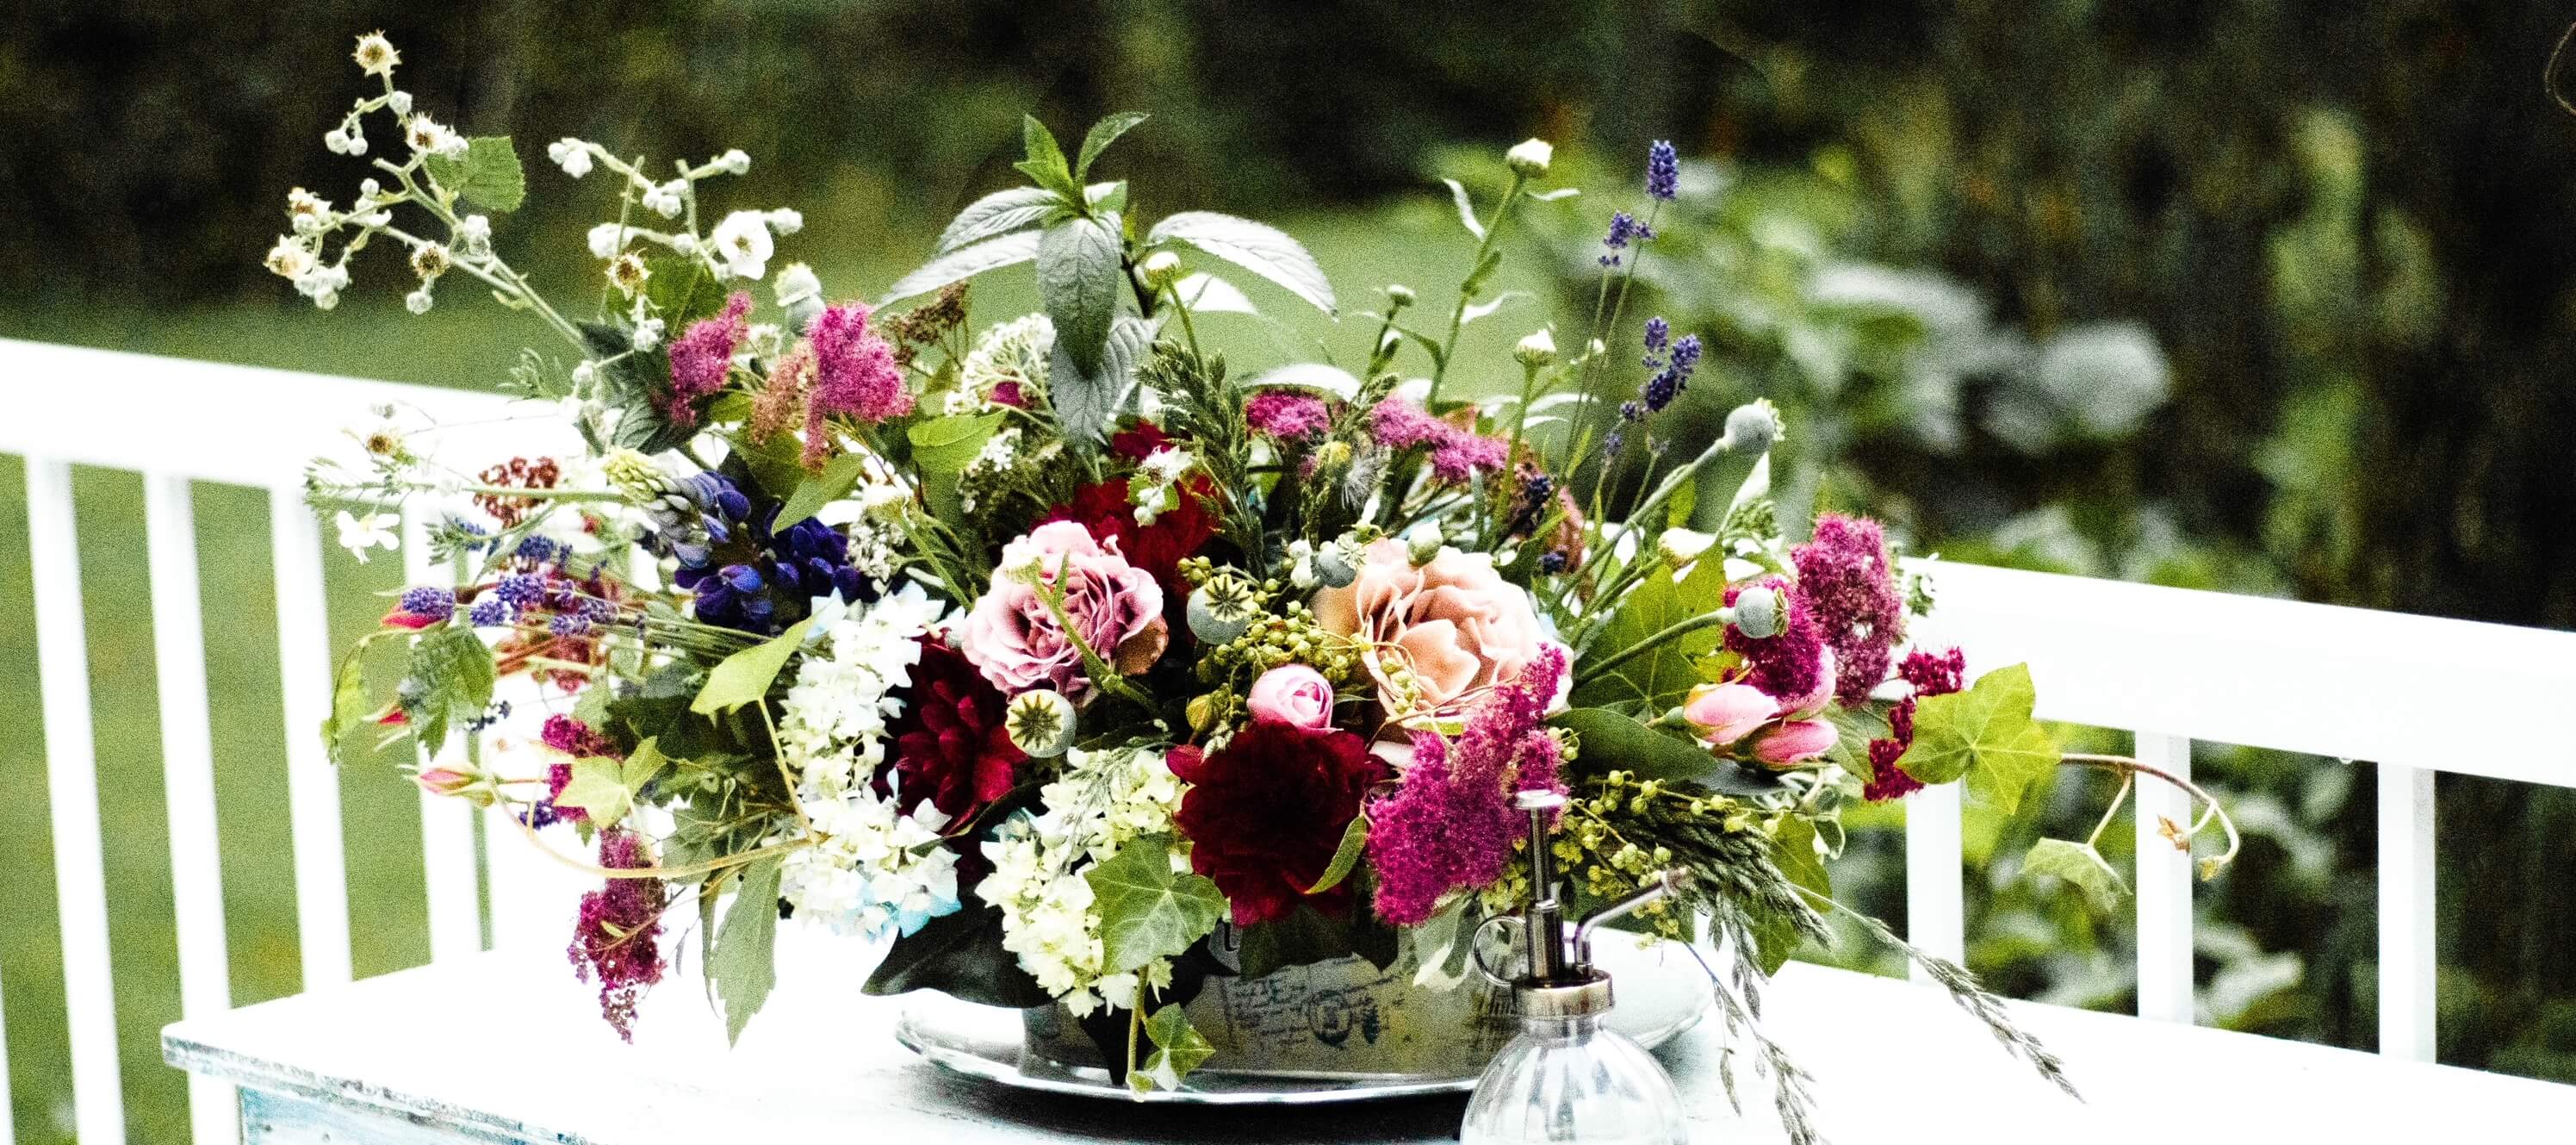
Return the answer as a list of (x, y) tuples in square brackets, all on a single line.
[(950, 745), (1158, 548), (1266, 813)]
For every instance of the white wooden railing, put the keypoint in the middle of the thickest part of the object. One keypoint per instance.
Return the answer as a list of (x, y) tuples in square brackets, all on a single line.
[(2169, 666)]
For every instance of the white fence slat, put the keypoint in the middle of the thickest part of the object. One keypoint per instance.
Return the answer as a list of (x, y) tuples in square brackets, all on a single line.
[(1935, 902), (2406, 918), (312, 783), (188, 779), (448, 868), (2164, 883), (71, 788)]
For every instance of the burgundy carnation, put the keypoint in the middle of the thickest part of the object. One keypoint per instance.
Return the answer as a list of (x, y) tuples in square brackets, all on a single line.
[(1158, 548), (1266, 813), (950, 745)]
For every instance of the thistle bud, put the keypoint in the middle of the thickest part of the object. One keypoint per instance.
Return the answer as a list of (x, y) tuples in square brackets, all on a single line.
[(1536, 351), (1040, 723), (1529, 158), (1159, 270)]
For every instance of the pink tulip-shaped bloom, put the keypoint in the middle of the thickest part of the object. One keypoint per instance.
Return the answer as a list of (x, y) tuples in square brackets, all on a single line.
[(1013, 637), (1292, 694), (1794, 743), (1725, 713)]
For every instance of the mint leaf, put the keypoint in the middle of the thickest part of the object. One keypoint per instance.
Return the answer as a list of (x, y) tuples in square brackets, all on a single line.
[(999, 213), (1264, 250), (488, 175), (1984, 734), (963, 263), (1179, 1048), (2079, 864), (1102, 135), (1078, 280), (744, 964), (745, 676), (1147, 909), (1045, 165)]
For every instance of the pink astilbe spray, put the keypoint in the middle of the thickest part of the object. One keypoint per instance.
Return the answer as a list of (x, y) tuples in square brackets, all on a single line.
[(615, 940), (1287, 415), (1457, 454), (1848, 582), (1932, 674), (1452, 825), (855, 376), (703, 355)]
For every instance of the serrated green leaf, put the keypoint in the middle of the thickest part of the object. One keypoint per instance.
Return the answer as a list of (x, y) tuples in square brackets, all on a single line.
[(1345, 857), (488, 174), (2081, 865), (1178, 1049), (1086, 402), (449, 681), (1102, 135), (999, 213), (1147, 909), (745, 676), (1606, 741), (963, 263), (1466, 209), (1263, 250), (744, 963), (839, 476), (1663, 675), (1078, 279), (1984, 734)]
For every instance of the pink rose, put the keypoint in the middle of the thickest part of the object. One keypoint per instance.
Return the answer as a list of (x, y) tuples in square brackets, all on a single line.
[(1292, 694), (1455, 621), (1725, 713), (1013, 638), (1794, 743)]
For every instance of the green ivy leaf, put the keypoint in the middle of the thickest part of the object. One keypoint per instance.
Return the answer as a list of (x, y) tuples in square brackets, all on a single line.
[(1345, 857), (1985, 734), (1606, 740), (1102, 135), (2079, 864), (744, 964), (839, 476), (598, 788), (1147, 909), (488, 174), (1662, 676), (1078, 280), (1178, 1049), (1264, 250), (745, 676)]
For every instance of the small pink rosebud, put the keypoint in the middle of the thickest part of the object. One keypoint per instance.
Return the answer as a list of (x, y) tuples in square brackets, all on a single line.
[(1794, 743), (450, 781), (1725, 713), (1292, 694)]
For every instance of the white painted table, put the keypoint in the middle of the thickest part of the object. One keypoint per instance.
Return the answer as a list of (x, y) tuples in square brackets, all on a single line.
[(506, 1048)]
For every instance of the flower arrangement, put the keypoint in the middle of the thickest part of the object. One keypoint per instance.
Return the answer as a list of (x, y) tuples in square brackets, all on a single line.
[(1042, 648)]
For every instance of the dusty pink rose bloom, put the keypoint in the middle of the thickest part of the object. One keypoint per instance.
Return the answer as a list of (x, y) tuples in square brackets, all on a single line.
[(1725, 713), (1794, 743), (1013, 638), (1460, 625), (1292, 694)]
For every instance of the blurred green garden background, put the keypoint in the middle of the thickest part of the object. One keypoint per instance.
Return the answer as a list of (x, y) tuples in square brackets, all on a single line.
[(2257, 296)]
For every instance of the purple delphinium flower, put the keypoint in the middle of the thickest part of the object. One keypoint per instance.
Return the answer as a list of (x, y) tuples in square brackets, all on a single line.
[(1847, 582), (1452, 825), (429, 602), (1663, 171)]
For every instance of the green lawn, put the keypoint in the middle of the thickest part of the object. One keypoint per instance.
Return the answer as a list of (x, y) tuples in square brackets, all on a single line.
[(460, 344)]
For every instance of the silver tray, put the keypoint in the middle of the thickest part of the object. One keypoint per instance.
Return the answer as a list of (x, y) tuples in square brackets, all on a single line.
[(1662, 993)]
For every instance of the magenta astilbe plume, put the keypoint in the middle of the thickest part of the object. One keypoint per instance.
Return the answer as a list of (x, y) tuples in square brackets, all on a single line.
[(615, 940), (1287, 415), (1400, 424), (1790, 667), (1932, 674), (1452, 825), (703, 355), (1457, 454), (855, 376), (1847, 580)]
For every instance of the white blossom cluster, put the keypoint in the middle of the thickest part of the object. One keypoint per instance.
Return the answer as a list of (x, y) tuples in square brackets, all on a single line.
[(873, 866), (1104, 799), (1017, 351)]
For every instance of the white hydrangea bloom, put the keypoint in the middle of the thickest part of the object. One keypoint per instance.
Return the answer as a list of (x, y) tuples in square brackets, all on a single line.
[(875, 867), (1103, 800)]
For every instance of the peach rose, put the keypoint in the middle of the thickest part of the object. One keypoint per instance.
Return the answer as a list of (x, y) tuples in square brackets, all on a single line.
[(1013, 638), (1455, 621)]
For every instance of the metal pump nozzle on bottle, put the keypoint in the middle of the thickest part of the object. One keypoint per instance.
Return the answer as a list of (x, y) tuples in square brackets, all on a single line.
[(1556, 977)]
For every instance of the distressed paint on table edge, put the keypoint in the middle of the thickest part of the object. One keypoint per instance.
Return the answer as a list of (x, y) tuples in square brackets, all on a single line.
[(275, 1079)]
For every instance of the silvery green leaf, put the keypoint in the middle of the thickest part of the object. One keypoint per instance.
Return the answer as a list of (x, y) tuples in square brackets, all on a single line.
[(1488, 307), (1466, 209), (1263, 250), (1078, 279), (990, 254), (1552, 196), (999, 213), (1207, 294), (1088, 402), (1102, 135), (1333, 380)]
